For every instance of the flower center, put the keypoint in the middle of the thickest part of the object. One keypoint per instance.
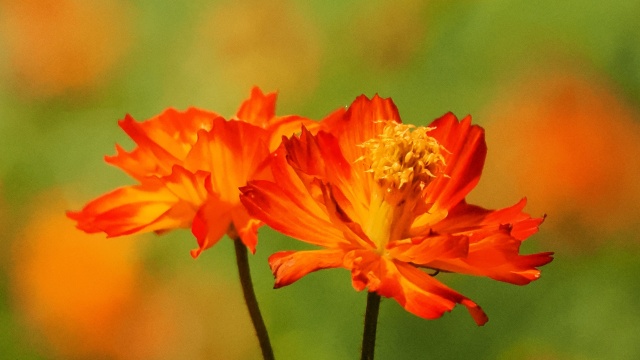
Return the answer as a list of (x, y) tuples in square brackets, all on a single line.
[(403, 154), (403, 160)]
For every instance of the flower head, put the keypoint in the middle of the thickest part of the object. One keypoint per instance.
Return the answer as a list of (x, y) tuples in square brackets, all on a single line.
[(403, 155), (189, 166), (386, 200)]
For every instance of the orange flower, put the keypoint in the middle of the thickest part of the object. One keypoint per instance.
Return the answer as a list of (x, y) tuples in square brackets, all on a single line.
[(63, 47), (385, 199), (189, 165), (73, 290), (562, 114)]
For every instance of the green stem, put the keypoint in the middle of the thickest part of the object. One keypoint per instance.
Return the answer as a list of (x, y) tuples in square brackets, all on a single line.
[(250, 298), (370, 326)]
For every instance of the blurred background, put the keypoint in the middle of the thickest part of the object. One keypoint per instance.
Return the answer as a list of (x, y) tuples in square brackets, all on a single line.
[(556, 84)]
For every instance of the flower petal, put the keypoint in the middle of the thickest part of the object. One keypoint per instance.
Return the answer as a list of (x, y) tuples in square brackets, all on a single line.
[(425, 296), (162, 141), (158, 204), (416, 291), (495, 237), (234, 152), (294, 203), (210, 223), (317, 156), (364, 120), (422, 250), (273, 204), (320, 157), (336, 204), (246, 227), (259, 109), (478, 222), (290, 266), (464, 158), (497, 256), (287, 126)]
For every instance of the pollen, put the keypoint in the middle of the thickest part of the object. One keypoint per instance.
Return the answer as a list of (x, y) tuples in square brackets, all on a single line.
[(403, 155)]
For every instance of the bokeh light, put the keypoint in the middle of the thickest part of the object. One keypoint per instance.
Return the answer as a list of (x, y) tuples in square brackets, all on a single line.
[(63, 46), (84, 296), (272, 44), (566, 142), (72, 289), (386, 35), (182, 317)]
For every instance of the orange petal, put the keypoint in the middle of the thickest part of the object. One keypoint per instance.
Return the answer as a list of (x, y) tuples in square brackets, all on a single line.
[(158, 204), (497, 256), (306, 155), (478, 222), (290, 266), (139, 163), (320, 157), (415, 290), (233, 151), (336, 204), (494, 237), (369, 270), (246, 227), (162, 141), (364, 120), (331, 121), (296, 204), (259, 109), (422, 250), (299, 187), (427, 297), (287, 126), (210, 223), (272, 203), (464, 157), (187, 186)]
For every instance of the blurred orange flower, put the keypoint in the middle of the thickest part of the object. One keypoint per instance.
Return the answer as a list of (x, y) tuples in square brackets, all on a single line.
[(54, 46), (274, 44), (388, 34), (162, 324), (189, 165), (85, 297), (73, 289), (385, 199), (576, 128)]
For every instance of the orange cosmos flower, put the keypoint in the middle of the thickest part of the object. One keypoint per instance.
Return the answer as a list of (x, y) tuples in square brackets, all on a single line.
[(189, 166), (385, 199)]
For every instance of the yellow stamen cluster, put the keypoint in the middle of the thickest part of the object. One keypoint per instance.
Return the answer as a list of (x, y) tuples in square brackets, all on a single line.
[(403, 154)]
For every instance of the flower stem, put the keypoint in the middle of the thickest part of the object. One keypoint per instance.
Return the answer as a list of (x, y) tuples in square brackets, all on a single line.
[(370, 326), (250, 298)]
